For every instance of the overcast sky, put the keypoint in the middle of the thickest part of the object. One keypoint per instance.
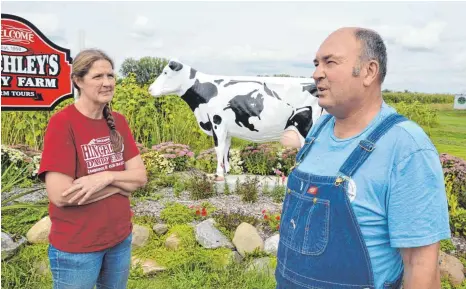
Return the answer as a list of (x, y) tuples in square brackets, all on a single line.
[(426, 42)]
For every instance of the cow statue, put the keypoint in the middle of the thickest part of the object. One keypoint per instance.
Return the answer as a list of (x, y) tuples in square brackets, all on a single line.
[(257, 109)]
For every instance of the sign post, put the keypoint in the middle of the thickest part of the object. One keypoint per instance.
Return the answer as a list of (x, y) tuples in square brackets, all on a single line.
[(36, 73)]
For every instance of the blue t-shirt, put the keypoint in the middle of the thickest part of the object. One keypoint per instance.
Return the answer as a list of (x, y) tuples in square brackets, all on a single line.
[(398, 194)]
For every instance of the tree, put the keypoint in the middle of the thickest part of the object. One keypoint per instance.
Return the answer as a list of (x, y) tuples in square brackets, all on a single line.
[(146, 69)]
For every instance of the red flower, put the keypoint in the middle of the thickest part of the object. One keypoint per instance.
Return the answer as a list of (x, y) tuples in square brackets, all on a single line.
[(266, 217), (277, 218), (263, 211), (198, 212), (204, 212), (278, 227)]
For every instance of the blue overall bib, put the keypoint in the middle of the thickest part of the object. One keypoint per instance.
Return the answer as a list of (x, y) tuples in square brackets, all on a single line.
[(321, 245)]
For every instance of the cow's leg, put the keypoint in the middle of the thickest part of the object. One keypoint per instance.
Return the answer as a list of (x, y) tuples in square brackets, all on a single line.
[(220, 136), (226, 154)]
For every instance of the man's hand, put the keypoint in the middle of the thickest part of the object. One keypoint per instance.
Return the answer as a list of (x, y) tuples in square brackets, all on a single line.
[(421, 267), (88, 185)]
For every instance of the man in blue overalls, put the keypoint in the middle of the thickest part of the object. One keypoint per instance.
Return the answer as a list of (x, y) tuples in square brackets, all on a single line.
[(365, 206)]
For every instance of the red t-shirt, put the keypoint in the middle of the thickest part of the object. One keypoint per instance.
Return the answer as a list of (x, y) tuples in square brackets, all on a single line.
[(77, 145)]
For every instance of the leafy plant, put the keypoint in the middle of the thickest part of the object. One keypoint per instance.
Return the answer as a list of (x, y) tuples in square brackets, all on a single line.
[(259, 159), (176, 213), (248, 190), (454, 170), (206, 161), (228, 222), (200, 186), (178, 154), (272, 220)]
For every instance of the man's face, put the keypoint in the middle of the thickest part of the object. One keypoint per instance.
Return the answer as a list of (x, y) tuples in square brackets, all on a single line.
[(336, 75)]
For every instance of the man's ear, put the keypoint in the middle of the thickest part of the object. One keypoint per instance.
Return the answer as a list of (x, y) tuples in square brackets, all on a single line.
[(371, 72)]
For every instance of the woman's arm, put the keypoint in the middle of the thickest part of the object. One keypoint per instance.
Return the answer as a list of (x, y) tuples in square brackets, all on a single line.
[(133, 177), (60, 188)]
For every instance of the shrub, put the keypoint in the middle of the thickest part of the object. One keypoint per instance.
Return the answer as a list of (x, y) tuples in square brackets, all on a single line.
[(259, 159), (409, 97), (248, 190), (200, 186), (454, 170), (179, 154), (286, 160), (18, 169), (227, 223), (156, 164), (206, 161), (236, 163), (176, 213), (272, 220), (418, 112)]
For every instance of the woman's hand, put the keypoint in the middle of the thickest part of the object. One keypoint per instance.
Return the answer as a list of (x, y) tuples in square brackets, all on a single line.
[(88, 185)]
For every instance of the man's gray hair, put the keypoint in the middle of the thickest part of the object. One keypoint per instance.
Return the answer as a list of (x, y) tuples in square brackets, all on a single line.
[(373, 48)]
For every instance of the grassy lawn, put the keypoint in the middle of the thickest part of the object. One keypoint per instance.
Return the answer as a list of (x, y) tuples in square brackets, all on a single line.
[(450, 135)]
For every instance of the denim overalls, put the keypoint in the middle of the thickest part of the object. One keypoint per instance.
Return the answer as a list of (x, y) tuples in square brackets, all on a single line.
[(321, 245)]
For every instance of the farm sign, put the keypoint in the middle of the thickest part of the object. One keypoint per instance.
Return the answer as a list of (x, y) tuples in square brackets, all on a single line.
[(35, 72), (460, 101)]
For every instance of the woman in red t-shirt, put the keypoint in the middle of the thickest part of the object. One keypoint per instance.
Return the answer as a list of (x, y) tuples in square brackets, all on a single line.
[(90, 165)]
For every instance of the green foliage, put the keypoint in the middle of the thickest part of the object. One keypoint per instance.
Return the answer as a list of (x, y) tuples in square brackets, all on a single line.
[(277, 193), (18, 169), (176, 213), (178, 154), (272, 220), (422, 114), (27, 127), (200, 186), (19, 272), (206, 161), (227, 223), (447, 246), (409, 97), (259, 159), (19, 221), (454, 170), (146, 69), (248, 190)]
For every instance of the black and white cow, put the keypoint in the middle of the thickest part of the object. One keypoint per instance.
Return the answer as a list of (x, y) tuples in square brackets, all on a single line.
[(257, 109)]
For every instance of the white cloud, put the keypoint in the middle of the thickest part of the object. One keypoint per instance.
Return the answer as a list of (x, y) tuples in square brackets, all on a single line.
[(142, 29)]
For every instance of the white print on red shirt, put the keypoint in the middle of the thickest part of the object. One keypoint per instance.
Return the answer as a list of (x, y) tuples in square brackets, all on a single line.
[(99, 155)]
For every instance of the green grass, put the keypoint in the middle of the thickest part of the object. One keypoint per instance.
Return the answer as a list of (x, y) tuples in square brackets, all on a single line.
[(450, 135)]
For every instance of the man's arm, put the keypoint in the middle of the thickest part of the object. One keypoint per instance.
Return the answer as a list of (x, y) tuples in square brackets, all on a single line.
[(421, 268), (291, 139)]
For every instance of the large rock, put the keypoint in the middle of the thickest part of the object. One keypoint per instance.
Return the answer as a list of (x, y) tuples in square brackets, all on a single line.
[(160, 229), (210, 237), (149, 267), (271, 244), (39, 233), (451, 268), (262, 265), (140, 236), (247, 239), (9, 246), (172, 242)]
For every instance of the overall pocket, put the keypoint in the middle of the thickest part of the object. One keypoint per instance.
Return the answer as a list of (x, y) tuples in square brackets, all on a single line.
[(305, 222)]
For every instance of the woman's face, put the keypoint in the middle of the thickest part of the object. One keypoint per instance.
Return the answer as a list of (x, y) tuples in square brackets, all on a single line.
[(98, 85)]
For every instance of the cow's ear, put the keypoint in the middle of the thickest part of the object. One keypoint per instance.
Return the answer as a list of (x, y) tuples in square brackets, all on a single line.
[(175, 66)]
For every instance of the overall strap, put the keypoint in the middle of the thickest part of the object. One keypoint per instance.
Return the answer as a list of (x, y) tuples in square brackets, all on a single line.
[(366, 146), (310, 139)]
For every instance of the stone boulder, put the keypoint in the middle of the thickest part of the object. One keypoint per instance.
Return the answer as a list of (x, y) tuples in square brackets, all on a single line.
[(271, 244), (262, 265), (140, 236), (172, 242), (451, 268), (247, 239), (149, 267), (39, 233), (210, 237), (9, 246), (160, 229)]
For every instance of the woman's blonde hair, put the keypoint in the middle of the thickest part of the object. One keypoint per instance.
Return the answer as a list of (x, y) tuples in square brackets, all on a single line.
[(82, 63)]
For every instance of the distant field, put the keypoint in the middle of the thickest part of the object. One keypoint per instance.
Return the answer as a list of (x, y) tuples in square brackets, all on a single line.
[(450, 136)]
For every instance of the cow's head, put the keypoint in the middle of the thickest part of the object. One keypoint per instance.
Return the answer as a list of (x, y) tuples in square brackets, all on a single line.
[(173, 80)]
